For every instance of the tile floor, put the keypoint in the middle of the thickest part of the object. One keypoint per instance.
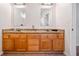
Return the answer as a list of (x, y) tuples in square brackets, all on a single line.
[(77, 50), (33, 54), (38, 54)]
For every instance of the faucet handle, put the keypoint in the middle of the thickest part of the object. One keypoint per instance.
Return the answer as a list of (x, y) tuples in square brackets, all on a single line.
[(33, 26)]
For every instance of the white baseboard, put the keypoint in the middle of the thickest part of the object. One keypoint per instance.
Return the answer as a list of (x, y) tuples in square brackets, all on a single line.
[(1, 53), (66, 54), (77, 44)]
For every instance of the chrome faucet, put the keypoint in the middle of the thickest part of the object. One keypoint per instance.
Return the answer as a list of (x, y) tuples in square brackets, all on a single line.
[(33, 26)]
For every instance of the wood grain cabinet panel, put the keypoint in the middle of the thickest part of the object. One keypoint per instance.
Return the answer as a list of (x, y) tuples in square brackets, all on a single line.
[(20, 44), (58, 45), (33, 36), (33, 48), (45, 45), (8, 44), (61, 35), (52, 36), (33, 44), (14, 35), (44, 36), (6, 35), (23, 36)]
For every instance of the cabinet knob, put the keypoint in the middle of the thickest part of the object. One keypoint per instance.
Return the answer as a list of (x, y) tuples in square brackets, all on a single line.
[(72, 29)]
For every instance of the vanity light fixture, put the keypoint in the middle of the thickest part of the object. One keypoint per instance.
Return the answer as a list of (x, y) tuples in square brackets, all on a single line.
[(19, 5), (46, 5)]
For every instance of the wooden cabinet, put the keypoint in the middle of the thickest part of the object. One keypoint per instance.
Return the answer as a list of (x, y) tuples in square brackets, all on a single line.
[(8, 43), (52, 36), (58, 43), (45, 43), (20, 42), (14, 41), (33, 45), (33, 42)]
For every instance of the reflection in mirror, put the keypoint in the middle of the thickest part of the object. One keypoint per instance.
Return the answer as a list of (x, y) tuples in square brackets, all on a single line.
[(23, 15), (45, 13), (19, 14), (19, 5), (44, 17)]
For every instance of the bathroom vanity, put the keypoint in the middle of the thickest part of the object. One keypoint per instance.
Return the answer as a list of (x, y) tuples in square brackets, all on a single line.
[(33, 40)]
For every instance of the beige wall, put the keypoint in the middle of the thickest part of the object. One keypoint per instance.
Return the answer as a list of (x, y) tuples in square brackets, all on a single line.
[(77, 32), (5, 19), (64, 18)]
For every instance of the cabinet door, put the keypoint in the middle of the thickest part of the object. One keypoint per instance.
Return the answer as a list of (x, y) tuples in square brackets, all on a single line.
[(20, 44), (52, 36), (45, 45), (33, 44), (8, 44), (58, 45), (33, 36)]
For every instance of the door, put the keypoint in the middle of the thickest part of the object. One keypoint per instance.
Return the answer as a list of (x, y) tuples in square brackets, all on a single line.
[(45, 44), (58, 45), (21, 43), (8, 44), (33, 42)]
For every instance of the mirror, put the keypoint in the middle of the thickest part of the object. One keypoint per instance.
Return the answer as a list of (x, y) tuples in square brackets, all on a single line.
[(19, 14), (46, 10), (37, 14), (45, 17)]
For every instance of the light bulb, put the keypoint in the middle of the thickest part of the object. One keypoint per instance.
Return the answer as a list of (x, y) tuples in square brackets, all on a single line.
[(23, 15)]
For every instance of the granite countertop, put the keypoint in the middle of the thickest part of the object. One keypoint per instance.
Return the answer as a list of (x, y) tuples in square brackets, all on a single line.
[(33, 30)]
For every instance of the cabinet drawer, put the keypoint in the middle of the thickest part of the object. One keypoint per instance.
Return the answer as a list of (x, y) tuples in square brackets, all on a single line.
[(60, 35), (32, 42), (44, 36), (46, 45), (33, 48), (52, 36), (6, 35), (18, 35), (33, 36), (22, 35), (15, 35)]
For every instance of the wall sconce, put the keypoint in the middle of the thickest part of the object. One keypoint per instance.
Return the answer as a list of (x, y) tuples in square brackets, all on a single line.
[(19, 5), (46, 5)]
